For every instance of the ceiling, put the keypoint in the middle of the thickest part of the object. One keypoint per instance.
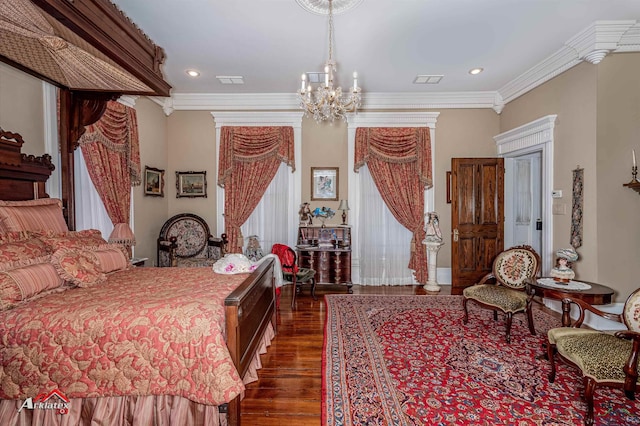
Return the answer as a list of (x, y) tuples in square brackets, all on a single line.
[(270, 43)]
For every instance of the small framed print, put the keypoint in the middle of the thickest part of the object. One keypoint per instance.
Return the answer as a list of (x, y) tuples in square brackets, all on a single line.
[(324, 183), (153, 181), (191, 184)]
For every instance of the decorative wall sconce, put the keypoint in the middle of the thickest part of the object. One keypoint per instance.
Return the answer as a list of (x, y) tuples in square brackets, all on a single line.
[(634, 184)]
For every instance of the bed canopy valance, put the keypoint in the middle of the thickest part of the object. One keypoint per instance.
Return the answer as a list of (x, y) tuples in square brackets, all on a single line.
[(91, 51)]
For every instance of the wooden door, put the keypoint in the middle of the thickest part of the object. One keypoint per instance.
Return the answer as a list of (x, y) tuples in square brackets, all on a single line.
[(477, 217)]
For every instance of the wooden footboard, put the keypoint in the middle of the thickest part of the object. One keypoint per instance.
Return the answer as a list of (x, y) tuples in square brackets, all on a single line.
[(249, 309)]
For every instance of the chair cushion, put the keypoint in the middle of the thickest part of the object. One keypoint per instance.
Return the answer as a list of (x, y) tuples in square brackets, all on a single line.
[(505, 299), (513, 266), (599, 355)]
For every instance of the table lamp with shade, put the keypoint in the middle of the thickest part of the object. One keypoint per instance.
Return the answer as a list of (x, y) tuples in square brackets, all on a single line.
[(122, 234), (344, 206)]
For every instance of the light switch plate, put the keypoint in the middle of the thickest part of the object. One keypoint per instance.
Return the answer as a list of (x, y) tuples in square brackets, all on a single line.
[(559, 209)]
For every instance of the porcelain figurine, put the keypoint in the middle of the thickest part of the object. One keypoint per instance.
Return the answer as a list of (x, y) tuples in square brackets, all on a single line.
[(562, 272)]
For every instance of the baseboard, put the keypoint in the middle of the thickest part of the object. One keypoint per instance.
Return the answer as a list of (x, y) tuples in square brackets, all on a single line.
[(594, 321)]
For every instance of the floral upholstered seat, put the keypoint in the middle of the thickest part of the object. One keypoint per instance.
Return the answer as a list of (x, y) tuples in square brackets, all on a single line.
[(604, 359), (503, 288), (185, 241)]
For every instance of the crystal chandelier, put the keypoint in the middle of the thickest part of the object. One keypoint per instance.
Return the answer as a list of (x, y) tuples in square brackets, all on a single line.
[(328, 103)]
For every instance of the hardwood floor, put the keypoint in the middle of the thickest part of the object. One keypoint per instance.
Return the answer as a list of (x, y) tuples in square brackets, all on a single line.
[(290, 385)]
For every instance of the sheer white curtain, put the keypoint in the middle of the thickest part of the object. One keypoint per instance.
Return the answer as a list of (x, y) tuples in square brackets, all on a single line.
[(90, 211), (270, 219), (384, 242)]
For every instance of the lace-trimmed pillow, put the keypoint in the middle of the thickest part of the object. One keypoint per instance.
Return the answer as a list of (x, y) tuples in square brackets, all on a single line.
[(21, 281), (77, 267), (32, 215), (110, 257)]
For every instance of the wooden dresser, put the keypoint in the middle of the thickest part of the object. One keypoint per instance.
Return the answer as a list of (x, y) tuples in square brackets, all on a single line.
[(328, 251)]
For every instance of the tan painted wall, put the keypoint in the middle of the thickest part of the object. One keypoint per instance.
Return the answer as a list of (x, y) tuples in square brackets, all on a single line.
[(191, 146), (150, 211), (598, 125), (618, 132), (21, 108), (325, 145), (459, 133)]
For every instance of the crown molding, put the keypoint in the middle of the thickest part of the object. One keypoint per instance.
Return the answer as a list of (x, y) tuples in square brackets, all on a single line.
[(289, 101), (591, 44), (128, 100)]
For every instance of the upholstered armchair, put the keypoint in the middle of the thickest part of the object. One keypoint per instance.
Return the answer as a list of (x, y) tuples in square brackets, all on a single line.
[(603, 359), (503, 289), (185, 241)]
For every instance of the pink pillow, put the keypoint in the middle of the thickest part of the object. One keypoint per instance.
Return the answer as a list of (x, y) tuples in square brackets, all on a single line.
[(78, 267), (10, 237), (71, 239), (110, 257), (33, 215), (22, 250), (24, 282)]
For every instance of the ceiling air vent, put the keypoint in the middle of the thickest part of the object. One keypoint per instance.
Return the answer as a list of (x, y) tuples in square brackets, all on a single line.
[(427, 79)]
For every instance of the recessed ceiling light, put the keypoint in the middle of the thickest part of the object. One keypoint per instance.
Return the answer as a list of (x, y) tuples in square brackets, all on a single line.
[(193, 73), (476, 71)]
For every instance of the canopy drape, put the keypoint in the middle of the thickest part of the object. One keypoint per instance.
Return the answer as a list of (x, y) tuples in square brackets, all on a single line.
[(111, 150), (249, 159), (399, 159)]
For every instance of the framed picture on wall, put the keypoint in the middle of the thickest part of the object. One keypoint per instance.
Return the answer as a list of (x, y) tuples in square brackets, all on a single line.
[(324, 183), (153, 181), (191, 184)]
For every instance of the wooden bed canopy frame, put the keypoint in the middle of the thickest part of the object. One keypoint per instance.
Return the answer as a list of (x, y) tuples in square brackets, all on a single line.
[(101, 25)]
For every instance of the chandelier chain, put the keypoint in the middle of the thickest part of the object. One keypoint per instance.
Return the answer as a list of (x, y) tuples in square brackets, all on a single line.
[(328, 103)]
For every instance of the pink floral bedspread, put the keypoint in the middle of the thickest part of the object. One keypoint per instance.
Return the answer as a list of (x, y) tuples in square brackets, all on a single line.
[(147, 331)]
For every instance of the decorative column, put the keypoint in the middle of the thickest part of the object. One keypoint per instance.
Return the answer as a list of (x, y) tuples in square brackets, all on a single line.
[(433, 242)]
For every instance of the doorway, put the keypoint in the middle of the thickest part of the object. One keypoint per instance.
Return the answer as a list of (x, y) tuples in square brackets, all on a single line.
[(532, 140), (523, 201)]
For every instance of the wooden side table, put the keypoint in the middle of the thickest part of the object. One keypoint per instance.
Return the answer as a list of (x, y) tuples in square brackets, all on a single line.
[(597, 294), (139, 261)]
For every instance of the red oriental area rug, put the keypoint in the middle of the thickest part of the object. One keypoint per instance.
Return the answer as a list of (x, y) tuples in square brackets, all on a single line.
[(409, 360)]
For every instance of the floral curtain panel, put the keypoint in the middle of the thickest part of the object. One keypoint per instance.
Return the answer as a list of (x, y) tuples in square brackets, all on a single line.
[(111, 150), (249, 159), (399, 159)]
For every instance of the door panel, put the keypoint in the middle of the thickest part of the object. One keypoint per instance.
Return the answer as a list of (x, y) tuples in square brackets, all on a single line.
[(477, 217)]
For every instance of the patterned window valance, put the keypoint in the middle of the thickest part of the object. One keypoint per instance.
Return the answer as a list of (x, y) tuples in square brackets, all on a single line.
[(396, 145), (251, 144)]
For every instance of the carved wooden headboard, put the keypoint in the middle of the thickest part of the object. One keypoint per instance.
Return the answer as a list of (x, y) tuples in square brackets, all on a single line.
[(22, 177)]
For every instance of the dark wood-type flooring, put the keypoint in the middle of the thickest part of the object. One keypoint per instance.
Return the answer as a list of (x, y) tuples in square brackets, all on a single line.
[(290, 385)]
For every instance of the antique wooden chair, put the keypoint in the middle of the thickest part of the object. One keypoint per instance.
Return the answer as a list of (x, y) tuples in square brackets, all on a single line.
[(503, 289), (603, 359), (292, 273), (185, 241)]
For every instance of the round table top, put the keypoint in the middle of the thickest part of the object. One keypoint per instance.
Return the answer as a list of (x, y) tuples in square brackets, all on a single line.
[(597, 294)]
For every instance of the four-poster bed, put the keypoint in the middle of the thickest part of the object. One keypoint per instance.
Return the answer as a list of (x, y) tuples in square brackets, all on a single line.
[(240, 307)]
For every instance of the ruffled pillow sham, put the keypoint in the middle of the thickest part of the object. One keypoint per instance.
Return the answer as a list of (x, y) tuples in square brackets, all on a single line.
[(78, 267)]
